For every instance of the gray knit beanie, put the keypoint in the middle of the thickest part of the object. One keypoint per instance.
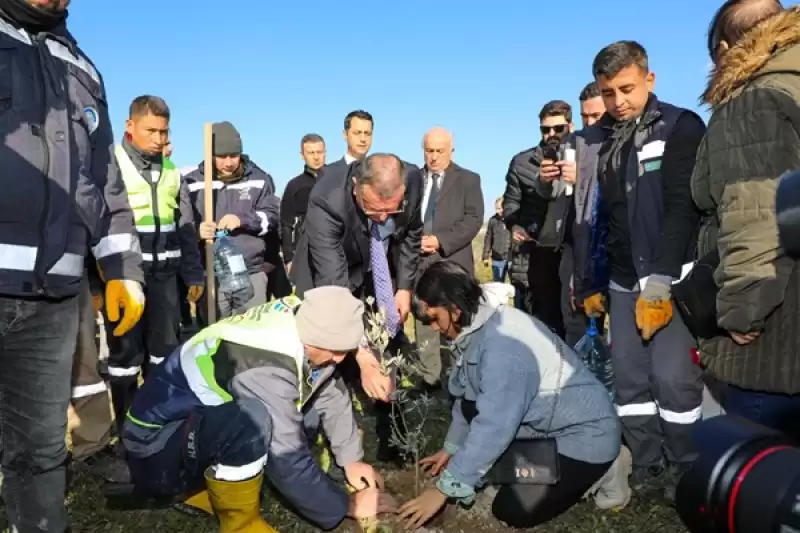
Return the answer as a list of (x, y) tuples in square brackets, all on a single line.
[(227, 140), (330, 318)]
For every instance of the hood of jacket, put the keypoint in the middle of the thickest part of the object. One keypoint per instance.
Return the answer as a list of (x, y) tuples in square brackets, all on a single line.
[(495, 295), (771, 46)]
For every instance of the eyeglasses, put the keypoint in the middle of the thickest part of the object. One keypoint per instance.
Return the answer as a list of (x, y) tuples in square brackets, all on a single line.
[(558, 128)]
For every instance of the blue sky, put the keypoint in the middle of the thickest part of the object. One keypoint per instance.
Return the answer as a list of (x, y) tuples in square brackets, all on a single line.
[(278, 70)]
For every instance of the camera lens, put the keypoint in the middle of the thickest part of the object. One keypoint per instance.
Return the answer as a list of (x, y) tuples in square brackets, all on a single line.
[(746, 480)]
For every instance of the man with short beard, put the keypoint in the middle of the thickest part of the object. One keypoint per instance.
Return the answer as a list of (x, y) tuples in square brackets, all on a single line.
[(535, 204), (62, 198)]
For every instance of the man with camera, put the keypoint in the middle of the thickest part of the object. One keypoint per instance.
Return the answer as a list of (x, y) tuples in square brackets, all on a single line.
[(535, 207)]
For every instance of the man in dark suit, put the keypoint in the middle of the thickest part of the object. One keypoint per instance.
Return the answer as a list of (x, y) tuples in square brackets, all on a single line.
[(363, 230), (452, 214), (358, 136)]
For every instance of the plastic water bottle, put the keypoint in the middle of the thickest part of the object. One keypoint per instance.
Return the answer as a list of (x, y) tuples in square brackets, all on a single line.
[(231, 270), (596, 355)]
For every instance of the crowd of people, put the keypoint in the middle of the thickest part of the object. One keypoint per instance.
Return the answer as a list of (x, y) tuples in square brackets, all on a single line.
[(645, 216)]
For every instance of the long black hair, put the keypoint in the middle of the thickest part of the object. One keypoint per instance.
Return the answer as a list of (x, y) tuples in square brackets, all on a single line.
[(447, 284)]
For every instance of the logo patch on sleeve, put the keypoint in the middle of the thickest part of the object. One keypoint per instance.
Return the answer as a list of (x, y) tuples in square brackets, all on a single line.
[(92, 118)]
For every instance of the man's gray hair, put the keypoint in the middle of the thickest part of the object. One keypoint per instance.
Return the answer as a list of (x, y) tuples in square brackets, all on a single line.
[(385, 173)]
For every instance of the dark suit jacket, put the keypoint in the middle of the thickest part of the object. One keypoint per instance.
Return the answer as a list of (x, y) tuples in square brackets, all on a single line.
[(458, 217), (334, 248)]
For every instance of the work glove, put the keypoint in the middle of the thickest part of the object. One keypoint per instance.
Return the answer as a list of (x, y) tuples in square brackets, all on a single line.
[(654, 306), (128, 295), (594, 305), (194, 292)]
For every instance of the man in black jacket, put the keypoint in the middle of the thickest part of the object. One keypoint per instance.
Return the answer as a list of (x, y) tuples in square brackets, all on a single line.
[(535, 205), (363, 231), (497, 244), (358, 137), (634, 236), (294, 201)]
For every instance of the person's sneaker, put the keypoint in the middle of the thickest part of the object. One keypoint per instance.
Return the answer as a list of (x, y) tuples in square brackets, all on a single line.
[(646, 478), (613, 491), (673, 474)]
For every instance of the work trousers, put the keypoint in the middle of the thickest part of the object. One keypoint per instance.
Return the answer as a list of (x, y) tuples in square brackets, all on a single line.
[(544, 287), (434, 360), (233, 438), (575, 320), (659, 390), (37, 347), (89, 391), (151, 340), (227, 306)]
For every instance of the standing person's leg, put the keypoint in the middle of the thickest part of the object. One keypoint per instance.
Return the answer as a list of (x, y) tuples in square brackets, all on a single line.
[(636, 406), (185, 309), (525, 506), (37, 348), (163, 321), (545, 287), (89, 391), (574, 319), (259, 281), (126, 356), (428, 352)]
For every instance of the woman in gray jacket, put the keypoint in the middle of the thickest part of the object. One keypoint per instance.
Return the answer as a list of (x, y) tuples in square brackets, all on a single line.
[(514, 381)]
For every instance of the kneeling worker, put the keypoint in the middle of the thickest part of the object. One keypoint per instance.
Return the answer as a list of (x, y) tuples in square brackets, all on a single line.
[(211, 418)]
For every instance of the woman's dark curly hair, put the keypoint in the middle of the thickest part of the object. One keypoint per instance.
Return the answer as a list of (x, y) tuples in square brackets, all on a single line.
[(447, 284)]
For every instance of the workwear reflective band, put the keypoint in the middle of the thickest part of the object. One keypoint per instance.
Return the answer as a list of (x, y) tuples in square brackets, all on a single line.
[(18, 257), (140, 194)]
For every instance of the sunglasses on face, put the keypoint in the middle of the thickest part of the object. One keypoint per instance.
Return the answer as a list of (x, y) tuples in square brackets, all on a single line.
[(558, 128)]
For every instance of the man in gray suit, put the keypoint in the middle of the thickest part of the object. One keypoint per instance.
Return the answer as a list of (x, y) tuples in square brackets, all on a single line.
[(452, 215)]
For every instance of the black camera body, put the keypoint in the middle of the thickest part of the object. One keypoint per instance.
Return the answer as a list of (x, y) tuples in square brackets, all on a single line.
[(746, 480)]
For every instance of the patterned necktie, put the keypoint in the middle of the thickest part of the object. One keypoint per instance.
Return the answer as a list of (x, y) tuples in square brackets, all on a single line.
[(430, 208), (382, 281)]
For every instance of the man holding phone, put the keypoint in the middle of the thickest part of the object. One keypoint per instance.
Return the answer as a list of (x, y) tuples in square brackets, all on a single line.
[(536, 206)]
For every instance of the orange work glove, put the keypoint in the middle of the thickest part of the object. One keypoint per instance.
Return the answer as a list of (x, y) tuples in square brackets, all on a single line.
[(127, 295), (594, 305), (654, 306), (194, 293)]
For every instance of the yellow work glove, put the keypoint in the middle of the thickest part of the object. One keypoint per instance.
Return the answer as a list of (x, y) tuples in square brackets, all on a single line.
[(594, 305), (127, 295), (654, 306), (194, 293)]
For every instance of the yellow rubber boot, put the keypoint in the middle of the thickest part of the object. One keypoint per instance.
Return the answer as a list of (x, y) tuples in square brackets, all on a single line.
[(200, 502), (237, 505)]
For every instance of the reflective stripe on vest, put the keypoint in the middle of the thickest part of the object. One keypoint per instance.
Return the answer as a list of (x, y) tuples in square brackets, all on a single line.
[(270, 327), (140, 195)]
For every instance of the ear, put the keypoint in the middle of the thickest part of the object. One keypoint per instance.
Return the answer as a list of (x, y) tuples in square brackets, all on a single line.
[(651, 81), (571, 127), (129, 126)]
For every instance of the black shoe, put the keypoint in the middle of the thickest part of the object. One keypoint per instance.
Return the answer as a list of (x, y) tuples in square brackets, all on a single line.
[(672, 476), (645, 479)]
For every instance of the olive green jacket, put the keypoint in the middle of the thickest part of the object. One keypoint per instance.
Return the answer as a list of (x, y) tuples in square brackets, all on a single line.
[(753, 137)]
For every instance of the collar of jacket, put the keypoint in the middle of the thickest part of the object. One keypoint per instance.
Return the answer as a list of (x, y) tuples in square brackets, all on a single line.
[(651, 114), (748, 58), (141, 160), (488, 306), (310, 171)]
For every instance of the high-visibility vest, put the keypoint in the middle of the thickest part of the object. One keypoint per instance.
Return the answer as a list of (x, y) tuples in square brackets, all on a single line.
[(154, 208), (263, 336)]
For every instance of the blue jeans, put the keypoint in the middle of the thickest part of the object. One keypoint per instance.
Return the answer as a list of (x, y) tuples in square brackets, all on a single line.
[(777, 411), (499, 269), (37, 346)]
